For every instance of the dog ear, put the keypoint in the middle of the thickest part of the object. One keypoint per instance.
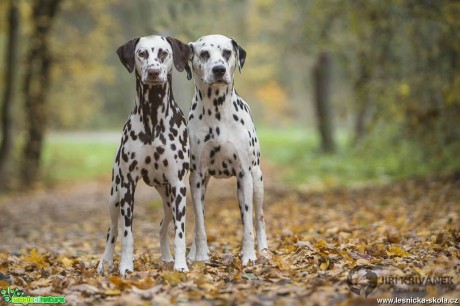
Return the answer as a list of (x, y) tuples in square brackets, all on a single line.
[(181, 55), (126, 53), (187, 66), (240, 53)]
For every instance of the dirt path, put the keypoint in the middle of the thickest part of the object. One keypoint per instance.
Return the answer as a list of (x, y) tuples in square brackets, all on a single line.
[(51, 240)]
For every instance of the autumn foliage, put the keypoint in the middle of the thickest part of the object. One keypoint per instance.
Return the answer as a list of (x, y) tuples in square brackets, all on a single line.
[(409, 228)]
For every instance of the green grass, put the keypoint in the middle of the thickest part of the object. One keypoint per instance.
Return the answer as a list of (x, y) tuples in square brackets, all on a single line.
[(73, 157), (381, 158), (297, 151)]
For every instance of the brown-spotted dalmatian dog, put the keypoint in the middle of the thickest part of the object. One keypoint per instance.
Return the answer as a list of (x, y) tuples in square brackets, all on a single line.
[(154, 147), (223, 141)]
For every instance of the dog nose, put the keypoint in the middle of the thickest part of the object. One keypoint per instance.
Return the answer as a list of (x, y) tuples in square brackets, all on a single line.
[(153, 73), (218, 71)]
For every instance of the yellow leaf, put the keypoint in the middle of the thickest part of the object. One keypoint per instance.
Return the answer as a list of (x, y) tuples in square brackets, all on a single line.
[(397, 251), (404, 89), (281, 263), (112, 292), (37, 259), (325, 262), (321, 244), (144, 283), (66, 262), (174, 277), (120, 282)]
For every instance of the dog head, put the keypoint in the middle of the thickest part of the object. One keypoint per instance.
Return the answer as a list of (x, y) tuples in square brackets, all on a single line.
[(215, 58), (153, 57)]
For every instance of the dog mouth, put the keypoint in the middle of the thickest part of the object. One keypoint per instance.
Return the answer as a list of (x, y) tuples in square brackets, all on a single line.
[(219, 82), (157, 81)]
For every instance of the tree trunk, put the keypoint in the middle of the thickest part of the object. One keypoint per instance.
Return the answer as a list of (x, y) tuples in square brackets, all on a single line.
[(10, 81), (36, 86), (322, 79), (362, 97)]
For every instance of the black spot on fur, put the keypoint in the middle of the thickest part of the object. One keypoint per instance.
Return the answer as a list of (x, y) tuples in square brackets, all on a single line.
[(133, 165), (160, 150)]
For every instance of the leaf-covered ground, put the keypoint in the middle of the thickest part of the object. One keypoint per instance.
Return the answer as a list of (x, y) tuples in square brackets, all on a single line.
[(51, 241)]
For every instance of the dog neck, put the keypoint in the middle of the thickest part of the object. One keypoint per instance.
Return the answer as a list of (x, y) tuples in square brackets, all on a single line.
[(152, 103), (215, 100)]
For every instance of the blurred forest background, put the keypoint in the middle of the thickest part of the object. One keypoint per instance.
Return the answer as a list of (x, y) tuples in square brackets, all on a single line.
[(342, 92)]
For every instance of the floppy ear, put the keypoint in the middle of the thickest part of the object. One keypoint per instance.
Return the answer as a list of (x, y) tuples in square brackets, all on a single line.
[(181, 55), (240, 53), (187, 66), (126, 53)]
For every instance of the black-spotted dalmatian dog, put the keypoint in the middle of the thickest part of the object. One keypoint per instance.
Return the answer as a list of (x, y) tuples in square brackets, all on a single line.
[(223, 141), (154, 147)]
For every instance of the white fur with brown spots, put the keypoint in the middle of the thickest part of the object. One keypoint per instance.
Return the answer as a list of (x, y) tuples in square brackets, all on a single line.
[(154, 147)]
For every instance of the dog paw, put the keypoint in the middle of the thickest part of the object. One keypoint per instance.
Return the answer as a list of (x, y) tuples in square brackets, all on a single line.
[(192, 253), (248, 258), (104, 265), (181, 267), (167, 258), (202, 255), (199, 255), (265, 253), (126, 267)]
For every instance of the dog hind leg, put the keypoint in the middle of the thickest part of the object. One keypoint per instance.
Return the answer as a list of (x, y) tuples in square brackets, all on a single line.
[(112, 233), (258, 195)]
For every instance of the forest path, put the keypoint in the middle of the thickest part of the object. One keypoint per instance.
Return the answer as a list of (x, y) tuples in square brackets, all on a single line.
[(51, 240)]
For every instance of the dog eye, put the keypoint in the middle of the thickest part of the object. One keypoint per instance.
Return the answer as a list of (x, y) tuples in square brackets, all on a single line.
[(226, 54), (162, 54), (142, 54), (204, 55)]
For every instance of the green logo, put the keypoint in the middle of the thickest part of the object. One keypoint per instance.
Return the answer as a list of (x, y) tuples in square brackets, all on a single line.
[(16, 296)]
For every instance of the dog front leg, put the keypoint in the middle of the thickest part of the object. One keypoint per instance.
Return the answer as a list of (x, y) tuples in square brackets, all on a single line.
[(199, 250), (179, 192), (245, 195)]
